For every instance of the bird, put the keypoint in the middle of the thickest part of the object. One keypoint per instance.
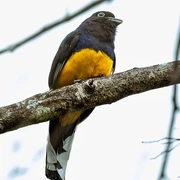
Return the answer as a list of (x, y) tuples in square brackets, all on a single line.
[(87, 52)]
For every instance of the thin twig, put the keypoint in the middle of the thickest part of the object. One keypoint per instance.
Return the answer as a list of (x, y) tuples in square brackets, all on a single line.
[(175, 109), (44, 29), (169, 150), (169, 140), (165, 138)]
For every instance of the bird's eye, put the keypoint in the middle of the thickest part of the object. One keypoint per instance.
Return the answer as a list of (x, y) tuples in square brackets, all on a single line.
[(101, 14)]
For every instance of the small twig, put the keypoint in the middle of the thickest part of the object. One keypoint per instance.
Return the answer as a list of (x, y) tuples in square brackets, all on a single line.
[(169, 140), (165, 138), (44, 29), (169, 150)]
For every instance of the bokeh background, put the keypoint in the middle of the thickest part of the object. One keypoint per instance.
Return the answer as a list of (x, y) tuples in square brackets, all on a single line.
[(108, 145)]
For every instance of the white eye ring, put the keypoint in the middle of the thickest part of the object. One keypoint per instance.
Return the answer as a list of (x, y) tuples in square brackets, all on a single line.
[(101, 14)]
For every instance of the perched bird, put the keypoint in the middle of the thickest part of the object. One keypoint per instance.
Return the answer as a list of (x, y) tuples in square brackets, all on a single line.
[(85, 53)]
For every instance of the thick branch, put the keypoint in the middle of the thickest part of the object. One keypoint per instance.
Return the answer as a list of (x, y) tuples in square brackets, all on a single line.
[(88, 94)]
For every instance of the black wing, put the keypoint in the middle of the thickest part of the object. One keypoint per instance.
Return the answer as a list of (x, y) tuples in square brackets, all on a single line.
[(64, 52)]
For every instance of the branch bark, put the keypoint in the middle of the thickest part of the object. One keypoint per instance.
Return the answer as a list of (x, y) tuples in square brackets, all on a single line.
[(90, 93)]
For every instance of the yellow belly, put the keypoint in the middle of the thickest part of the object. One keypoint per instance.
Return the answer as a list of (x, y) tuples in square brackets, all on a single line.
[(84, 64)]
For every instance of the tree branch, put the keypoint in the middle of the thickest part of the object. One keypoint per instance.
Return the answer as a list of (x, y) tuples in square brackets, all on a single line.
[(175, 110), (88, 94), (46, 28)]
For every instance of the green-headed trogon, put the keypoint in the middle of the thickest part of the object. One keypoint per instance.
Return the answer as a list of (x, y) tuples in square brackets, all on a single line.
[(85, 53)]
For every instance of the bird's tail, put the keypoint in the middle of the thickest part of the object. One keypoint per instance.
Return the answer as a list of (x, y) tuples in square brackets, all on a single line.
[(58, 149)]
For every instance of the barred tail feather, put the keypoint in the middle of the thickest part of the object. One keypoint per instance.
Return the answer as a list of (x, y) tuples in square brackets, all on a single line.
[(57, 155), (63, 158)]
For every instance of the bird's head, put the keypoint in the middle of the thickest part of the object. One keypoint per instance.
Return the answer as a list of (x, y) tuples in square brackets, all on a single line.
[(102, 24)]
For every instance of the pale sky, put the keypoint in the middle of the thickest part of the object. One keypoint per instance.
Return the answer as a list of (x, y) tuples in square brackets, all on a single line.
[(108, 144)]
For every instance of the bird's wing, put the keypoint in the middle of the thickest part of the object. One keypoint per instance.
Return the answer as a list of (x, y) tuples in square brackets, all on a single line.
[(64, 52)]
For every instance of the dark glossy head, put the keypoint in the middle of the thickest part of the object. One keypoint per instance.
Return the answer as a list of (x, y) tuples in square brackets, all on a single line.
[(101, 25)]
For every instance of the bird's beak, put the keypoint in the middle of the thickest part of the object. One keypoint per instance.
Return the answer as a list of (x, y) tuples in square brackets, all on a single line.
[(118, 21)]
